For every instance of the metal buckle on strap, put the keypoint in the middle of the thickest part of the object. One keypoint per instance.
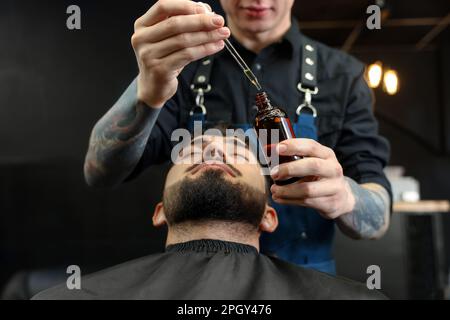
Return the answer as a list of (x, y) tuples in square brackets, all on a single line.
[(307, 103), (200, 99), (195, 89)]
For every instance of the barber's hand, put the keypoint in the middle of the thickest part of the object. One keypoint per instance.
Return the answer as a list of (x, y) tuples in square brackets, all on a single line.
[(169, 36), (323, 186)]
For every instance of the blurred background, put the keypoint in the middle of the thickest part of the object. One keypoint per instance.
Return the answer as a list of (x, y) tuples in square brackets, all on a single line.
[(56, 83)]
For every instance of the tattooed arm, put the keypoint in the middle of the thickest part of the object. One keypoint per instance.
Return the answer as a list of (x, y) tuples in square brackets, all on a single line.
[(361, 211), (118, 140), (163, 47), (370, 216)]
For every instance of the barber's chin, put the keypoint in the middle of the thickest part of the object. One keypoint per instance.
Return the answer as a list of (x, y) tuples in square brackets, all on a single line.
[(257, 26)]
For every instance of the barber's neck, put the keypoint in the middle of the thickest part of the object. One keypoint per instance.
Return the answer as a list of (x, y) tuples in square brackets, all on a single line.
[(214, 230), (257, 41)]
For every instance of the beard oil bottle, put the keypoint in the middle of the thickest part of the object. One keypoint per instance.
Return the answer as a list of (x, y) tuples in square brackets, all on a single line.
[(273, 118)]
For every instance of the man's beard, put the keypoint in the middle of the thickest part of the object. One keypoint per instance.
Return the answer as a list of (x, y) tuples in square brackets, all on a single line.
[(211, 197)]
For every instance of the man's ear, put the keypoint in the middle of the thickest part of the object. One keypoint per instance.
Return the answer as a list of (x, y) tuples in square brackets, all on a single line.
[(269, 221), (159, 218)]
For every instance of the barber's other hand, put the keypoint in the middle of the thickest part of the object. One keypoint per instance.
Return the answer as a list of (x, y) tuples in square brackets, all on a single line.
[(323, 187), (170, 35)]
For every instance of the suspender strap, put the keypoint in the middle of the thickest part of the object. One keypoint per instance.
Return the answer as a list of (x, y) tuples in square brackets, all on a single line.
[(202, 78), (305, 126), (200, 85), (309, 67), (308, 82)]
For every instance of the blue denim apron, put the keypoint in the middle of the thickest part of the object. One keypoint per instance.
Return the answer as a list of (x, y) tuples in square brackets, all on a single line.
[(303, 237)]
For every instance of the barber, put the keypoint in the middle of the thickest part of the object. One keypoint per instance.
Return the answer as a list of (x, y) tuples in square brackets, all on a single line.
[(175, 39)]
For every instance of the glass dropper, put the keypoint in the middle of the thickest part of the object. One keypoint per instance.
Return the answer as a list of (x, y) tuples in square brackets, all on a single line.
[(245, 68)]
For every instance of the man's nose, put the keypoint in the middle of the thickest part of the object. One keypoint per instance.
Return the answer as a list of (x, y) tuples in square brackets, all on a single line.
[(213, 153)]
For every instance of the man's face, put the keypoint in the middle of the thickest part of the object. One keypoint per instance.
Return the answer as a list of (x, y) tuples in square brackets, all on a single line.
[(258, 16), (225, 183), (229, 155)]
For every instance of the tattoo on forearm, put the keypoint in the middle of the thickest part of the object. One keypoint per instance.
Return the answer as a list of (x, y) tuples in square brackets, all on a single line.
[(118, 141), (370, 215)]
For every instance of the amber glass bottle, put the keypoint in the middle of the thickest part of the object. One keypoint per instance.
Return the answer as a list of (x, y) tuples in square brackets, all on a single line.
[(273, 118)]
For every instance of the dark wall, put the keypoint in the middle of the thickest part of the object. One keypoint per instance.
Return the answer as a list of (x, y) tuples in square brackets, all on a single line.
[(55, 84)]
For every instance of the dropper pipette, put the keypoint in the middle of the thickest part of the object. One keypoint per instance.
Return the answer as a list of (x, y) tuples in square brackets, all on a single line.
[(245, 68)]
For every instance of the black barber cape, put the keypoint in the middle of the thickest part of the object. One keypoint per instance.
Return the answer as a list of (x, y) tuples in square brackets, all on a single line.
[(209, 270)]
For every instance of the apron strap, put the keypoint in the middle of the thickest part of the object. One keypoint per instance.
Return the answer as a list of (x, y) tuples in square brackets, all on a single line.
[(201, 84), (305, 126), (202, 78), (309, 66)]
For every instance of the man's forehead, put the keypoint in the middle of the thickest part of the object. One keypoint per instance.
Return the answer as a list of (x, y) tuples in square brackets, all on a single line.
[(232, 140)]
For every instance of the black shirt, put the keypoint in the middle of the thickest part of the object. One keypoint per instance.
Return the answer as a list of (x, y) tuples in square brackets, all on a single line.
[(210, 270), (345, 117)]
